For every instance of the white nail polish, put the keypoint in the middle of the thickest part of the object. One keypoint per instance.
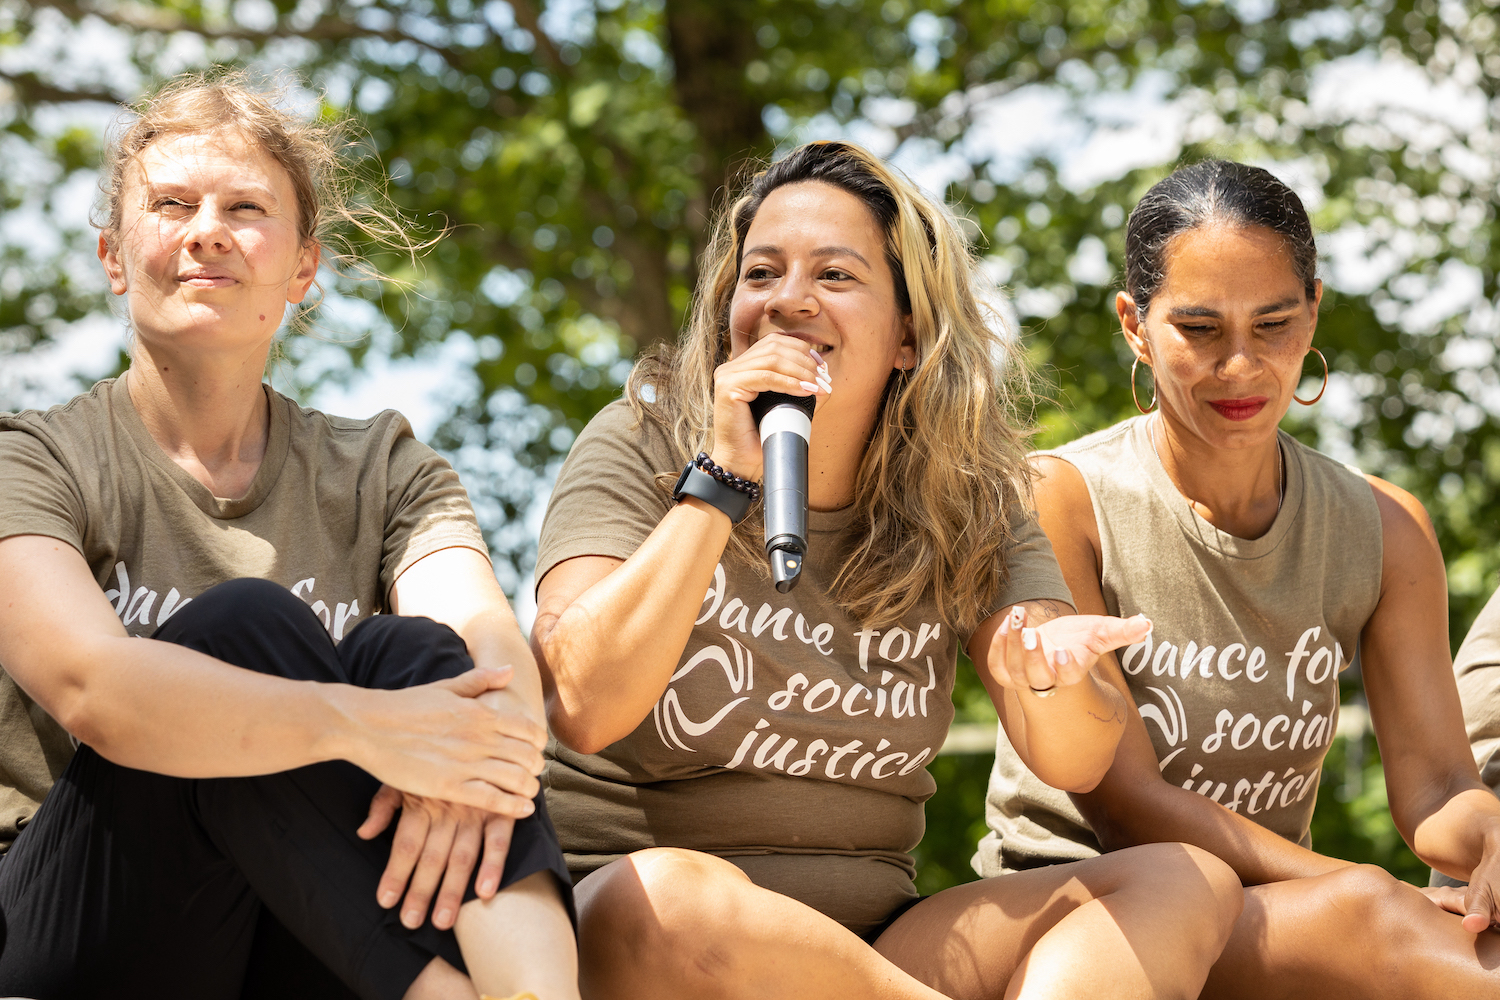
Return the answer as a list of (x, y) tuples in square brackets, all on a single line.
[(1060, 658), (1028, 638), (809, 386), (827, 385)]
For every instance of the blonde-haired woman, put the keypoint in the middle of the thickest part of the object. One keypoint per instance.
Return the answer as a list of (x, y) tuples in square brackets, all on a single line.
[(225, 620), (738, 774)]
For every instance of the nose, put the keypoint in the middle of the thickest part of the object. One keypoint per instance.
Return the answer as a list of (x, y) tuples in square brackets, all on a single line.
[(1241, 359), (208, 229), (794, 295)]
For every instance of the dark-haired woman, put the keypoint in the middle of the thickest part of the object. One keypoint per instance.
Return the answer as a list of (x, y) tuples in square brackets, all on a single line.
[(1264, 566), (739, 772)]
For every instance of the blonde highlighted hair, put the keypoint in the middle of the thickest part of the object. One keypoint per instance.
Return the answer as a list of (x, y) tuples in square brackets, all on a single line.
[(945, 470), (337, 206)]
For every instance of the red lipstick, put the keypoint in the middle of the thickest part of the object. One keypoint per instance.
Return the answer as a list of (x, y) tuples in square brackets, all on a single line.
[(1239, 409)]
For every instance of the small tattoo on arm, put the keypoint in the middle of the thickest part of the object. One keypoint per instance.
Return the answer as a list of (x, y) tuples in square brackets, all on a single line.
[(1038, 612), (1115, 716)]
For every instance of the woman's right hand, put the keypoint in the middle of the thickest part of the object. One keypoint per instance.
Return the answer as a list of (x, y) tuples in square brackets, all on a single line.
[(447, 740), (775, 363)]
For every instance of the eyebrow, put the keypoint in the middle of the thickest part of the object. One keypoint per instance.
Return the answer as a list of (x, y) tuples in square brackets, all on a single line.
[(1209, 312), (830, 251)]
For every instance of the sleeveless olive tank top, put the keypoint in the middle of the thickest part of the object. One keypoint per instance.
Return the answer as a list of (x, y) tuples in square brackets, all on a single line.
[(1238, 682)]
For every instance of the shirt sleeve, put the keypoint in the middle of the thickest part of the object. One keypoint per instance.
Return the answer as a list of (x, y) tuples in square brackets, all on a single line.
[(1478, 670), (39, 496), (607, 500), (1031, 570), (427, 508)]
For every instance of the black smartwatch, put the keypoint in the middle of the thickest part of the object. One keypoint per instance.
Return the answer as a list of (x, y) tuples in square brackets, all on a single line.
[(694, 482)]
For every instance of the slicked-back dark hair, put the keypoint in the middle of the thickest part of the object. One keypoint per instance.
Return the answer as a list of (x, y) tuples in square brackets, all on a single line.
[(1213, 192)]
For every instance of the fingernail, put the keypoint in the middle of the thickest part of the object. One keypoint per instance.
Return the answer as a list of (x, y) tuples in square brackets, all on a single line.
[(827, 385), (486, 887), (412, 919), (1005, 627), (528, 809), (816, 356), (1028, 638), (810, 387), (388, 898), (1018, 616), (442, 916), (1060, 658)]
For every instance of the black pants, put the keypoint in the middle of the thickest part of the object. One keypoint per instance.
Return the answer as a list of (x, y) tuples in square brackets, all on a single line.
[(133, 884)]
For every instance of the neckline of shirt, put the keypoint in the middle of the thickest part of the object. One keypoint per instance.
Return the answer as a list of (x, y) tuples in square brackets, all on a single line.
[(1193, 524), (277, 446)]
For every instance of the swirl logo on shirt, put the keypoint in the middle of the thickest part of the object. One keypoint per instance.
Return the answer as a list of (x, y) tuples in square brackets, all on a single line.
[(891, 694)]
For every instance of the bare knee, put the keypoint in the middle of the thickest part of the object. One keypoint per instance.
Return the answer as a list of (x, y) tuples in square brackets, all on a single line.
[(1196, 881), (659, 908), (1370, 901)]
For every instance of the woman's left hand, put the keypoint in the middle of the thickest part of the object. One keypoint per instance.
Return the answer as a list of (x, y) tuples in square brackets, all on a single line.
[(1059, 652), (436, 841), (1482, 897)]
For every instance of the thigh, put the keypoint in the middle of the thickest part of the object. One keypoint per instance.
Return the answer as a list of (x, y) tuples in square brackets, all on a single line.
[(967, 941), (1354, 933), (114, 890)]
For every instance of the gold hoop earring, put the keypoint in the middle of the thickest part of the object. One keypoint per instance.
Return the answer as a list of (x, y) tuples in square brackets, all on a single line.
[(1136, 399), (1309, 402)]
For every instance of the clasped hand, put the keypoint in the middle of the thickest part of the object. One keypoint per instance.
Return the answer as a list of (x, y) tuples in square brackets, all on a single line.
[(437, 840)]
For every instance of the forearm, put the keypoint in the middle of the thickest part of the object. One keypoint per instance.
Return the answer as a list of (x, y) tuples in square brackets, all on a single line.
[(1125, 813), (165, 708), (609, 654), (1067, 739), (1465, 829)]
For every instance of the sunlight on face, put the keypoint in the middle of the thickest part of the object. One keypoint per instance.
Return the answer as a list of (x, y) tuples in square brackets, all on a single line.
[(208, 253), (814, 267), (1228, 331)]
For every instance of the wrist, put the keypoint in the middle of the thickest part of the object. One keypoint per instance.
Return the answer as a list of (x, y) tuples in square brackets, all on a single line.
[(342, 733)]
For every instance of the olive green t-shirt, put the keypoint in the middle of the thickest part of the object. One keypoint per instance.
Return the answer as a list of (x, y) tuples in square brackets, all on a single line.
[(791, 739), (1239, 680), (337, 511)]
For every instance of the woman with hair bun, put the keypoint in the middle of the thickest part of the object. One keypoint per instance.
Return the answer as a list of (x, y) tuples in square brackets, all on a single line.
[(1265, 567), (738, 771), (238, 635)]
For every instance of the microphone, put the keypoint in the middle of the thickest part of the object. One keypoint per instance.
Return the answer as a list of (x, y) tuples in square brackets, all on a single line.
[(785, 427)]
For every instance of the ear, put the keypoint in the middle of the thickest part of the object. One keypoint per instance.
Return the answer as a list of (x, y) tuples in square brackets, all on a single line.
[(307, 270), (1317, 301), (906, 354), (112, 267), (1130, 325)]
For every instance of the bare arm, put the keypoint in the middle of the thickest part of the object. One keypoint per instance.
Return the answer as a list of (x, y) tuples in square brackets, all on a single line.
[(1443, 810), (162, 707), (1068, 737), (608, 633), (1132, 804)]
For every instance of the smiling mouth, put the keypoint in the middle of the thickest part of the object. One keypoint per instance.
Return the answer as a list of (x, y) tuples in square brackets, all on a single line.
[(1239, 409)]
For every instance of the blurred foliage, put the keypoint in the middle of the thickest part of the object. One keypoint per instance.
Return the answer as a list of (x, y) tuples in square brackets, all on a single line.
[(576, 148)]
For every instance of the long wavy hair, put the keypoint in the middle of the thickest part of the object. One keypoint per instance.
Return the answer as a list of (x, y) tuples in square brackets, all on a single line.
[(945, 466)]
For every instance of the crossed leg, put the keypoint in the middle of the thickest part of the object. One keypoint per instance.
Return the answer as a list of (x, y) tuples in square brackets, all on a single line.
[(1357, 933), (1141, 923)]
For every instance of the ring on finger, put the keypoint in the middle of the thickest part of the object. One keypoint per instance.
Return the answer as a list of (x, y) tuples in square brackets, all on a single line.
[(1045, 692)]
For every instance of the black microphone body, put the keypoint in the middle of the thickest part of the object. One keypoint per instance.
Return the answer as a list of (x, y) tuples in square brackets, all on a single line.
[(785, 427)]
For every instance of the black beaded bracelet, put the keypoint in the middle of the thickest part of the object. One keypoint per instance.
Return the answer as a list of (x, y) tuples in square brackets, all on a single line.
[(752, 490)]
